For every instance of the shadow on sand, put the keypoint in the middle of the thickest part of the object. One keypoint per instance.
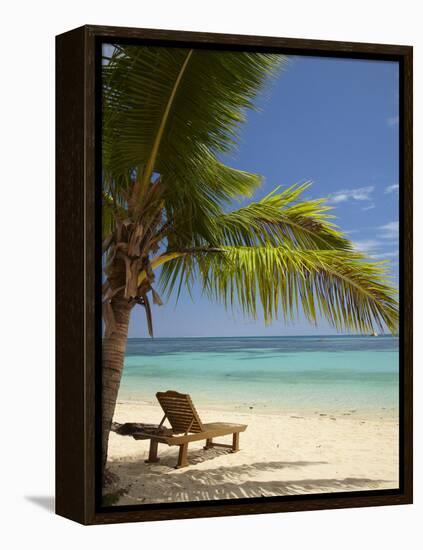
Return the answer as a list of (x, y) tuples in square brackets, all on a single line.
[(161, 483)]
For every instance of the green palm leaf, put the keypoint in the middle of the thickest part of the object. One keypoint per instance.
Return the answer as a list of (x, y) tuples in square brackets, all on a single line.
[(342, 286), (167, 115), (279, 218), (170, 111)]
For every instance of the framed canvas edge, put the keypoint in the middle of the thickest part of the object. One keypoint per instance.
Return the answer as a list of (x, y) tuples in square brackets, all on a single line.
[(75, 222)]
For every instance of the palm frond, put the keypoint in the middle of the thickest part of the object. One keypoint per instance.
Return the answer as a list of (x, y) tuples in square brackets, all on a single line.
[(167, 115), (351, 292), (170, 111), (278, 219)]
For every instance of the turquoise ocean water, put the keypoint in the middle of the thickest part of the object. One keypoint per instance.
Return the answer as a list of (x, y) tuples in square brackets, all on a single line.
[(280, 373)]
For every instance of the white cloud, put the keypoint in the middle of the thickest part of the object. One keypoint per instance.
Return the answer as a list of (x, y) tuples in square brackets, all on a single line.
[(358, 194), (370, 207), (392, 121), (367, 246), (376, 247), (389, 230), (392, 188)]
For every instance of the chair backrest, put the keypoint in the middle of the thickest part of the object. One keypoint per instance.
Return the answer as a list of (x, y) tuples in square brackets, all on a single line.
[(180, 411)]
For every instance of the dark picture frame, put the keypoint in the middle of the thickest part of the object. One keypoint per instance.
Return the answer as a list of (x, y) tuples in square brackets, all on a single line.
[(78, 257)]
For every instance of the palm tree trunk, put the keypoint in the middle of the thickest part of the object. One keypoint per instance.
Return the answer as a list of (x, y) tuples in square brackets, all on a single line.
[(112, 366)]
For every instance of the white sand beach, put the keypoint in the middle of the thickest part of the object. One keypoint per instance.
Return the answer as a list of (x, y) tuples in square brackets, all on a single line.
[(282, 453)]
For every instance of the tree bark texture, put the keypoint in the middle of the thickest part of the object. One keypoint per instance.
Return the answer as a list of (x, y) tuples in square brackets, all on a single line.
[(114, 346)]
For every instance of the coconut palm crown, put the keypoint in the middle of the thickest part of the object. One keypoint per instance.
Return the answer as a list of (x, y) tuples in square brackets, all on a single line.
[(168, 114)]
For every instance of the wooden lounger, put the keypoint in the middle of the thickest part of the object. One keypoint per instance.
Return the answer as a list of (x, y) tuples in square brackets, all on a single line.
[(186, 427)]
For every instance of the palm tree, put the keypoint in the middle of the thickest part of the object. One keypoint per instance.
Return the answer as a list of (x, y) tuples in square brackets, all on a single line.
[(167, 115)]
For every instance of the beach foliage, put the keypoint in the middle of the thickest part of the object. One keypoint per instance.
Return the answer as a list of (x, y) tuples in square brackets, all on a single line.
[(167, 115)]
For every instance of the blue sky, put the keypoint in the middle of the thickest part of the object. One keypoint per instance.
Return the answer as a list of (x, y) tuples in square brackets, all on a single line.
[(332, 121)]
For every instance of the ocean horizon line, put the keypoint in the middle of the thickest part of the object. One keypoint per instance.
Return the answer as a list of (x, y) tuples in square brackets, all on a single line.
[(268, 336)]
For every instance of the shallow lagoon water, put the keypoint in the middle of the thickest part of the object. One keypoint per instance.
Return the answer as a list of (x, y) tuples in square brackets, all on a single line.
[(272, 373)]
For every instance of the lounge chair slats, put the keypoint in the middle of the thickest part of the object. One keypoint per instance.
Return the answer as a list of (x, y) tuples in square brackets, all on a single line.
[(186, 427), (180, 411)]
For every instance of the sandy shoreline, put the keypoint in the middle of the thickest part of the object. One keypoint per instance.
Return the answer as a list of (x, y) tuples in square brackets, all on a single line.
[(282, 453)]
